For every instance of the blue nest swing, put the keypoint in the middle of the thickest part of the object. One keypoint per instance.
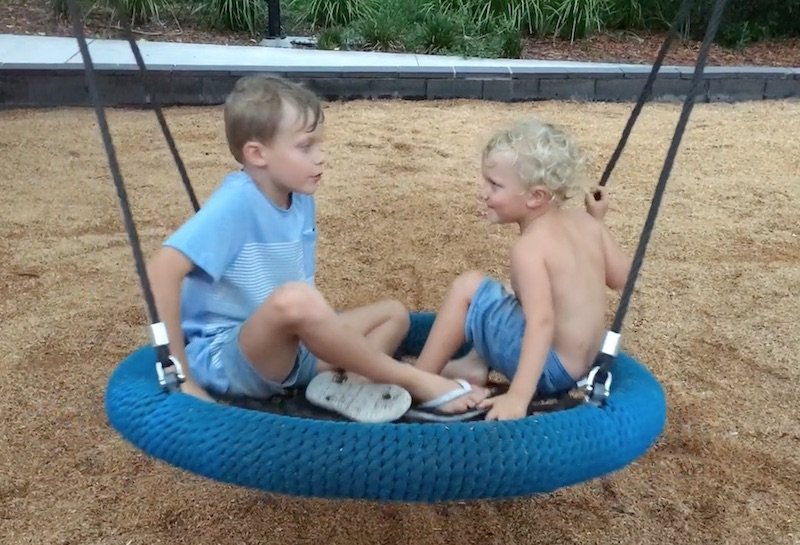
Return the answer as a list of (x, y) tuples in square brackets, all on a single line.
[(303, 456), (402, 462)]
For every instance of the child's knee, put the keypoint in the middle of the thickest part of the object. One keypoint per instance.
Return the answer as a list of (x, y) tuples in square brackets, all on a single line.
[(298, 302), (467, 284), (398, 313)]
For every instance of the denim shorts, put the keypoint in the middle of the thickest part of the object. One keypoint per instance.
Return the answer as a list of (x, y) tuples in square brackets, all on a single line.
[(222, 368), (495, 326)]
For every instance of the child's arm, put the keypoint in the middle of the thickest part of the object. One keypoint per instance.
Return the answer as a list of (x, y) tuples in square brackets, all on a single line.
[(166, 271), (618, 263), (535, 296)]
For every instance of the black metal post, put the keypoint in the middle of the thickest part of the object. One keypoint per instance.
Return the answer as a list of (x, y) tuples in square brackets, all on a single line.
[(273, 19)]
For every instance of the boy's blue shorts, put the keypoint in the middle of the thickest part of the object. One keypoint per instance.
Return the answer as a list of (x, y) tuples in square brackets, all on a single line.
[(495, 326), (222, 369)]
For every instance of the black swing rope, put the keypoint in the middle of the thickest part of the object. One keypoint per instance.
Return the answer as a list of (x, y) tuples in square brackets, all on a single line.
[(174, 377), (169, 370), (150, 96), (599, 380), (683, 13)]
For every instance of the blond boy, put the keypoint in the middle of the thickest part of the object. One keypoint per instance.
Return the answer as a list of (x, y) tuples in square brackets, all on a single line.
[(236, 281), (543, 331)]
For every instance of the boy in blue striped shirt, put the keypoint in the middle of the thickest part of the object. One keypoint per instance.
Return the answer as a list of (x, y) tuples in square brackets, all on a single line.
[(236, 281)]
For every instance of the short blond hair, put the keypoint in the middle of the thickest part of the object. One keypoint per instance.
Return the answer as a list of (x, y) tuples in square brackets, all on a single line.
[(256, 106), (544, 155)]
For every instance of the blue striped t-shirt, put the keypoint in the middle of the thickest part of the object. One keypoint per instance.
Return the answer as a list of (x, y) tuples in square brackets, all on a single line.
[(243, 247)]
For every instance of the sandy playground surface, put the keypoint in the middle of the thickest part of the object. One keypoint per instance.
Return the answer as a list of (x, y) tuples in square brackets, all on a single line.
[(714, 316)]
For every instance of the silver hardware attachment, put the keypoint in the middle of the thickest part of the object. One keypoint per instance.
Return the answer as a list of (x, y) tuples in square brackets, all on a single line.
[(170, 379), (594, 393), (611, 344), (158, 334)]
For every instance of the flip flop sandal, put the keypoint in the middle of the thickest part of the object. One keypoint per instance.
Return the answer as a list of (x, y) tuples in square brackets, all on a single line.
[(357, 399), (430, 410)]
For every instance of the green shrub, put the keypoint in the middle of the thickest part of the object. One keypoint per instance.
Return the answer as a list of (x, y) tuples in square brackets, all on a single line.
[(492, 28), (330, 38), (438, 32), (627, 14), (382, 31), (329, 13), (745, 21), (141, 11), (137, 11), (508, 38), (578, 18), (520, 13), (238, 15), (59, 8)]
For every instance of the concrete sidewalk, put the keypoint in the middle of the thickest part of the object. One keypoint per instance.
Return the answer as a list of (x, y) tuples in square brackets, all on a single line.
[(48, 71)]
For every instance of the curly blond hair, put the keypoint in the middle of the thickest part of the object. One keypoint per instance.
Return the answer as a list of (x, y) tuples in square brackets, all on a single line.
[(544, 155)]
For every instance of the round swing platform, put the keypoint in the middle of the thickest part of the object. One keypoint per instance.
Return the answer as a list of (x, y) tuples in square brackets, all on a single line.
[(409, 462)]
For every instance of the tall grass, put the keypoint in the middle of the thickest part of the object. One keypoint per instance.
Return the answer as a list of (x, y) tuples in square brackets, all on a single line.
[(382, 31), (487, 28), (239, 15), (578, 18), (141, 11), (137, 11), (331, 13)]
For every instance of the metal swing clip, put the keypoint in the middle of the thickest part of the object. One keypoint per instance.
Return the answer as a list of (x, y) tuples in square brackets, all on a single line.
[(596, 392), (170, 376)]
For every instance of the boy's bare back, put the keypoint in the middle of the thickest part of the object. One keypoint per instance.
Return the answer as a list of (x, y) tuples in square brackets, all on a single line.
[(570, 244)]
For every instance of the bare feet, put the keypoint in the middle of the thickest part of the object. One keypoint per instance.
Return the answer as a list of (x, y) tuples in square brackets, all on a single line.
[(470, 367)]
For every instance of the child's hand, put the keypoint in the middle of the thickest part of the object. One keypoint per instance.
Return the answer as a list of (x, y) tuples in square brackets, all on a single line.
[(505, 407), (597, 203)]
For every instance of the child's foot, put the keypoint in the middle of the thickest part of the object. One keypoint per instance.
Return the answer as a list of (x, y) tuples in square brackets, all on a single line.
[(447, 396), (452, 405), (470, 368)]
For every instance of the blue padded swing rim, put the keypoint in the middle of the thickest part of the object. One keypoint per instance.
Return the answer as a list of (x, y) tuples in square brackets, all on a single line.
[(399, 462)]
